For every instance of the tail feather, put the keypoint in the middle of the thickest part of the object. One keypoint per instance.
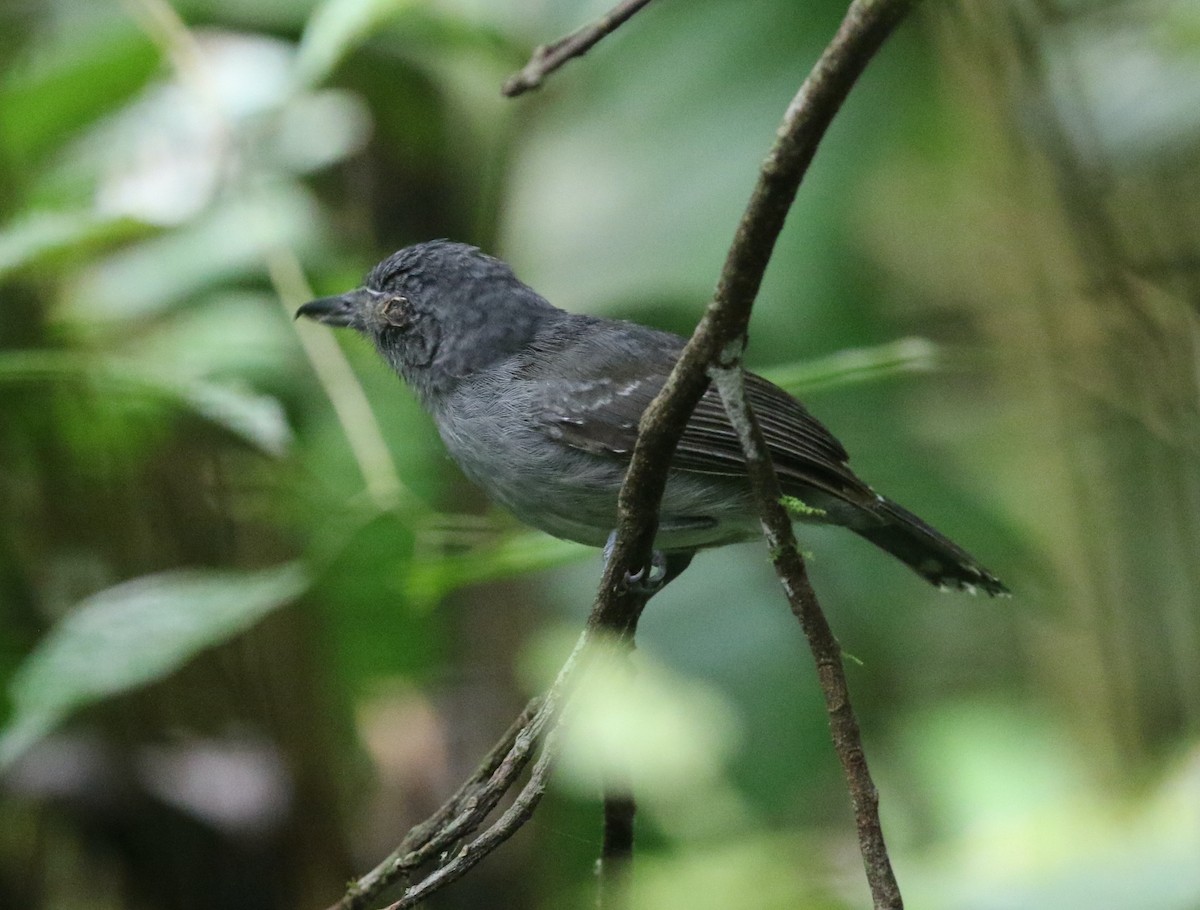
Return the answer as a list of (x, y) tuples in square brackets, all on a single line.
[(927, 552)]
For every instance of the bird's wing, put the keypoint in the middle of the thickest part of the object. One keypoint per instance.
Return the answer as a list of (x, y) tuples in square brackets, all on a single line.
[(595, 401)]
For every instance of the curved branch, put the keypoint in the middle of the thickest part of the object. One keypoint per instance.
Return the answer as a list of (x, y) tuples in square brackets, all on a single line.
[(513, 818), (718, 343), (720, 336), (716, 346), (466, 810), (494, 776)]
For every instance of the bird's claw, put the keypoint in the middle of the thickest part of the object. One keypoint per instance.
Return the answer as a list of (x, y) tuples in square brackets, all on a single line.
[(648, 579)]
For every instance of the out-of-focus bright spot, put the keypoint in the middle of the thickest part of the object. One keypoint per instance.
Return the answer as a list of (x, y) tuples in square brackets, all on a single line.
[(230, 109), (229, 240), (235, 784), (405, 738), (633, 720), (761, 872), (1126, 95), (317, 130), (1026, 824)]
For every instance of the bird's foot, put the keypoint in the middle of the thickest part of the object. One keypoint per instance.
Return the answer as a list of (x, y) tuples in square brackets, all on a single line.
[(648, 580)]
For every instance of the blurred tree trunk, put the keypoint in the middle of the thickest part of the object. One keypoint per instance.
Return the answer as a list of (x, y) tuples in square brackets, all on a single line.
[(1089, 226)]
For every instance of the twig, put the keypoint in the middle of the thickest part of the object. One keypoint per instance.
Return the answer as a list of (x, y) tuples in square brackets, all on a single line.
[(616, 851), (718, 341), (866, 24), (827, 652), (163, 24), (496, 772), (717, 344), (462, 814), (549, 57), (508, 823), (337, 378), (551, 712)]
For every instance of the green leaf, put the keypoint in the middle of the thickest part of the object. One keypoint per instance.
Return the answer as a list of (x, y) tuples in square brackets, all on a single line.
[(337, 27), (883, 361), (37, 236), (80, 73), (258, 419), (429, 579), (133, 634), (225, 244)]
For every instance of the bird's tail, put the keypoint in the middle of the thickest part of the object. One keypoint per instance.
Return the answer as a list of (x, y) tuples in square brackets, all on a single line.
[(927, 552)]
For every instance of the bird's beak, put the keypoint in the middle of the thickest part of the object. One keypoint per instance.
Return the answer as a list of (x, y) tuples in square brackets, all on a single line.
[(335, 311)]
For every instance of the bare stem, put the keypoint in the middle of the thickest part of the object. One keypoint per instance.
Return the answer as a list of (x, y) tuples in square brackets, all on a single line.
[(714, 350), (462, 814), (513, 818), (826, 651), (350, 404), (549, 57), (616, 851), (718, 343), (496, 772)]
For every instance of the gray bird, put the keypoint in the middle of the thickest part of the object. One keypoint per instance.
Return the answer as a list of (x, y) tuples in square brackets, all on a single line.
[(540, 408)]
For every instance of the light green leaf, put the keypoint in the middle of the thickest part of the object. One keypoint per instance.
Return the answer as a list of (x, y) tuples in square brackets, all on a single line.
[(88, 66), (335, 28), (431, 578), (38, 235), (883, 361), (225, 244), (133, 634), (258, 419)]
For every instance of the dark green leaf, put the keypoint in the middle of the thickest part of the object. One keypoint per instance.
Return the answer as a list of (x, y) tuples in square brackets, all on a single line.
[(133, 634)]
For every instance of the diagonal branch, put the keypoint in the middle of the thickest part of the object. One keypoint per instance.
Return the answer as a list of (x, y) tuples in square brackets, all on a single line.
[(826, 651), (513, 818), (713, 352), (458, 817), (549, 57), (720, 336), (462, 814), (717, 344)]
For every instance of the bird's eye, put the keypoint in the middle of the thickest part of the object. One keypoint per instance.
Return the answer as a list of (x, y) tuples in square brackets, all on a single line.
[(395, 311)]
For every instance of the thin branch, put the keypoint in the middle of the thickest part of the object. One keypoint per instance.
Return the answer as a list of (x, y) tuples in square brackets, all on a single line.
[(163, 25), (513, 818), (350, 405), (552, 711), (827, 652), (726, 319), (721, 333), (462, 814), (496, 772), (718, 342), (549, 57), (616, 851)]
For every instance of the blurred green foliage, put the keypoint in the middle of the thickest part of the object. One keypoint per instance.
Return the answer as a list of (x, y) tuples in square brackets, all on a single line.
[(253, 624)]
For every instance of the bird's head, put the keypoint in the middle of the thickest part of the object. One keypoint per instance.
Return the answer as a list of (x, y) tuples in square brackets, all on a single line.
[(438, 312)]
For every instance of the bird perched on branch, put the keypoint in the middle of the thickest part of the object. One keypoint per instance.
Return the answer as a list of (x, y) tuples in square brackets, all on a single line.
[(540, 408)]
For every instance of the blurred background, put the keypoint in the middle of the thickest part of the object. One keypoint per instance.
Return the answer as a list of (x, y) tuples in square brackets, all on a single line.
[(254, 624)]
